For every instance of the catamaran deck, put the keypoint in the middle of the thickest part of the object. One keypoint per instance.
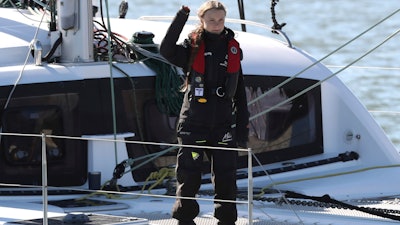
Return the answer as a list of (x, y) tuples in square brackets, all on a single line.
[(150, 210)]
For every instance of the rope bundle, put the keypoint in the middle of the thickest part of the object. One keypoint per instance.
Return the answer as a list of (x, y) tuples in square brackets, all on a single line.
[(168, 81)]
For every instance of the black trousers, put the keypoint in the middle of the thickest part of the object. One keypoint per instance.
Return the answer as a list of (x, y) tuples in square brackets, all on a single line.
[(223, 172)]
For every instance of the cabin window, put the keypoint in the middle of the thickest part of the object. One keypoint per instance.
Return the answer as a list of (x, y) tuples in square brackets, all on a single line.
[(32, 120), (35, 109), (288, 130)]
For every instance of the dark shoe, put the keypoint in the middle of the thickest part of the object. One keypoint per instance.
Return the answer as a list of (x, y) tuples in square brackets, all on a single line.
[(186, 223)]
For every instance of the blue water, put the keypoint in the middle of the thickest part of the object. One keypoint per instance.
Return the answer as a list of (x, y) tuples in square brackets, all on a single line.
[(320, 27)]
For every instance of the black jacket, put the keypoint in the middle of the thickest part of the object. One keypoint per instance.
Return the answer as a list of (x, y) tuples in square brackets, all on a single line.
[(217, 111)]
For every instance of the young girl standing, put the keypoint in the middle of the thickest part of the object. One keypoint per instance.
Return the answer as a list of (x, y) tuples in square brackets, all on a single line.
[(214, 109)]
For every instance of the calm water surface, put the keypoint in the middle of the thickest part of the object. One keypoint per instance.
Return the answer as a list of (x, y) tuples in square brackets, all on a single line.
[(320, 27)]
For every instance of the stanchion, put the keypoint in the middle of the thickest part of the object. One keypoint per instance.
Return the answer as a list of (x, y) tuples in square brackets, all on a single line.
[(44, 179), (250, 186)]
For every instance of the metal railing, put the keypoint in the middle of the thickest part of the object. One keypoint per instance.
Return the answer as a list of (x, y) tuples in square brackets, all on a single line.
[(44, 163)]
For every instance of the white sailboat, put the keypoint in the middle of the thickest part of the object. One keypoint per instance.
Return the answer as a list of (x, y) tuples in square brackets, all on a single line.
[(88, 137)]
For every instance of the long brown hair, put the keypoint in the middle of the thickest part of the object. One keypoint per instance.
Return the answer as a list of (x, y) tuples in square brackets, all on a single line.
[(196, 35)]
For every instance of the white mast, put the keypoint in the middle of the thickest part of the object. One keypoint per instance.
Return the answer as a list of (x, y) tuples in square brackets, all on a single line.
[(75, 22)]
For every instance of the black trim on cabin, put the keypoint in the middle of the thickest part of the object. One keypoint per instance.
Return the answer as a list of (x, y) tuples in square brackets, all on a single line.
[(86, 110), (342, 157)]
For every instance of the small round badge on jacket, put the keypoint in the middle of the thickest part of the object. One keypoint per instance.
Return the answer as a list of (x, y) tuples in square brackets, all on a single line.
[(234, 50)]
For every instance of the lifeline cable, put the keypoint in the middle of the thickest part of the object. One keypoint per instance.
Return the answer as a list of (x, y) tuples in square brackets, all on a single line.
[(323, 80), (323, 58), (21, 72)]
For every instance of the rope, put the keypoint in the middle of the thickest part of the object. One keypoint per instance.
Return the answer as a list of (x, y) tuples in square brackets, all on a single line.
[(276, 25), (159, 177), (168, 96), (135, 106), (168, 81), (119, 171)]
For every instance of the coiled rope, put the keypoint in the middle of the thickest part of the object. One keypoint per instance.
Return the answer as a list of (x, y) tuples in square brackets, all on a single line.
[(168, 81)]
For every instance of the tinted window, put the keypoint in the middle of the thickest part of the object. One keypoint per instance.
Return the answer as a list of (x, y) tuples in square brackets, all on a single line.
[(283, 128)]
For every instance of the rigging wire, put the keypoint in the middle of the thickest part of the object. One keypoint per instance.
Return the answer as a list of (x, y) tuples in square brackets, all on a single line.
[(124, 49), (134, 96), (313, 86), (114, 117), (332, 53), (315, 63), (302, 71), (24, 65), (365, 67), (279, 191), (308, 89), (330, 76)]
